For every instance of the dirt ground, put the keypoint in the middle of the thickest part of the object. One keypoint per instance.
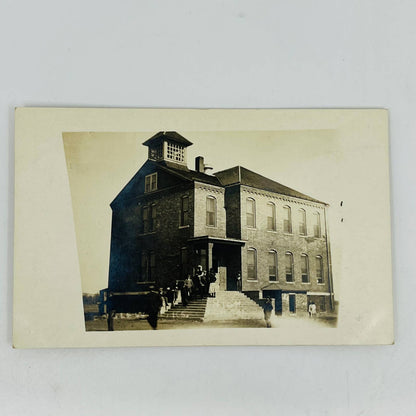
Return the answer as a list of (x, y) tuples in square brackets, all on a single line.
[(164, 324)]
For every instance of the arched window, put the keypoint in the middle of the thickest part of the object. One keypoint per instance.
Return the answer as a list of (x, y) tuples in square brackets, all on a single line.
[(271, 216), (289, 266), (272, 261), (287, 220), (302, 222), (319, 269), (251, 212), (251, 264), (304, 267), (317, 225), (211, 211)]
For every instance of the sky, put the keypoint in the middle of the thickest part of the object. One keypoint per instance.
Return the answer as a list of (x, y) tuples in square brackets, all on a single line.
[(100, 164)]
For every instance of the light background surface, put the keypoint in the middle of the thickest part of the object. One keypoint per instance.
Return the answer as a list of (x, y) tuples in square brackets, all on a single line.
[(189, 54)]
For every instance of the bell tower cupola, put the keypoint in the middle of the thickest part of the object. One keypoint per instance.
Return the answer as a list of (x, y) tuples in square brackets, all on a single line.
[(168, 146)]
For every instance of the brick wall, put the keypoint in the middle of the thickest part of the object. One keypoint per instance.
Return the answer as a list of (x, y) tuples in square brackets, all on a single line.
[(264, 241), (128, 240), (201, 192)]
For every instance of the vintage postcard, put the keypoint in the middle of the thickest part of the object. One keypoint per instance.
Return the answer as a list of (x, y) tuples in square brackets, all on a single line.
[(166, 227)]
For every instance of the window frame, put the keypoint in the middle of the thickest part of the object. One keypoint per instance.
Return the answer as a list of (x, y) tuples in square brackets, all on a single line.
[(289, 254), (175, 152), (319, 263), (214, 212), (254, 265), (317, 228), (184, 214), (303, 229), (305, 257), (251, 202), (272, 206), (274, 265), (150, 183), (287, 220)]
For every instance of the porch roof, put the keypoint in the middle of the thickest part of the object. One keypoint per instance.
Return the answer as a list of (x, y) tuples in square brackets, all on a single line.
[(218, 240)]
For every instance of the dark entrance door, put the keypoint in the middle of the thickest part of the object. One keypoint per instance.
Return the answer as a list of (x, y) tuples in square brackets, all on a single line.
[(278, 302), (292, 303), (277, 295)]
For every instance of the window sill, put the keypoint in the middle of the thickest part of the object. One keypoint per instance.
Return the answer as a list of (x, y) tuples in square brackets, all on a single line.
[(211, 226), (291, 283), (321, 284), (148, 233), (305, 283), (288, 234), (184, 226), (272, 231), (252, 280)]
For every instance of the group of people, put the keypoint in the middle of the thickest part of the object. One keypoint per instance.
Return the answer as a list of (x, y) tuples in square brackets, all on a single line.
[(200, 285)]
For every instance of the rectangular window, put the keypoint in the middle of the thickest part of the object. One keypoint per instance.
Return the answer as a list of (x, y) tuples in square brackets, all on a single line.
[(150, 182), (251, 264), (152, 224), (251, 212), (319, 270), (145, 217), (149, 218), (271, 217), (289, 267), (272, 259), (211, 211), (148, 266), (184, 211), (304, 268), (152, 262), (175, 152)]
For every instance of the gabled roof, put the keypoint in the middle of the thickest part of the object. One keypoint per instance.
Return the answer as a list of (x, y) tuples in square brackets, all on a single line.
[(131, 189), (191, 175), (243, 176), (173, 136)]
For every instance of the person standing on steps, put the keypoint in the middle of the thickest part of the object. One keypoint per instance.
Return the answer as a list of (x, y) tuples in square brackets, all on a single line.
[(211, 283), (189, 287), (268, 308), (239, 282)]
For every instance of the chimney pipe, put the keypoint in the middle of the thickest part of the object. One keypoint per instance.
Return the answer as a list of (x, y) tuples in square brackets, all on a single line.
[(199, 164)]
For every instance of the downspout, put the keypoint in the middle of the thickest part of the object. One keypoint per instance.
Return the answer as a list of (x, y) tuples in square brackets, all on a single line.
[(329, 262)]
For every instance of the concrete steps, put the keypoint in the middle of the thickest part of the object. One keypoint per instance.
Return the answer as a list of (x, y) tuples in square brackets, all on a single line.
[(232, 306), (195, 310)]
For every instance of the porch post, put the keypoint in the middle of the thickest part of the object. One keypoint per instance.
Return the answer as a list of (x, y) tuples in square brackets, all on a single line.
[(209, 256)]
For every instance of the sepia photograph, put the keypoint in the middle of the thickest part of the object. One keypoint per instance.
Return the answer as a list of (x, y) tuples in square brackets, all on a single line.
[(185, 245)]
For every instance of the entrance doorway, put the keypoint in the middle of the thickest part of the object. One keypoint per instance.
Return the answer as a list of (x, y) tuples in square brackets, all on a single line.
[(277, 295)]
